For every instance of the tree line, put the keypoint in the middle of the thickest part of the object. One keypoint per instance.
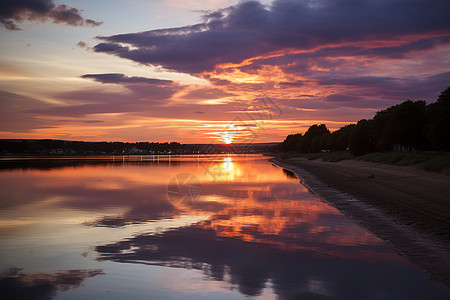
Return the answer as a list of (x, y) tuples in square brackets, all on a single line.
[(47, 146), (61, 147), (408, 126)]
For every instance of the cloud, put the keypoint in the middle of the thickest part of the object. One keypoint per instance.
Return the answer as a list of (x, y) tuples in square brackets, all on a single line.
[(123, 79), (81, 44), (391, 88), (340, 98), (251, 29), (141, 94), (288, 84), (13, 12), (147, 96), (403, 50), (357, 81), (158, 91), (92, 23), (207, 93)]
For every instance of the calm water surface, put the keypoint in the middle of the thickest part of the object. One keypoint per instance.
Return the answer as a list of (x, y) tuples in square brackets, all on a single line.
[(208, 227)]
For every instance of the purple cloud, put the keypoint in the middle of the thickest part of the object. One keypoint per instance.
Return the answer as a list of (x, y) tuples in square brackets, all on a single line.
[(403, 50), (250, 29), (357, 81), (207, 93), (153, 91), (123, 79), (392, 88), (17, 11), (341, 98)]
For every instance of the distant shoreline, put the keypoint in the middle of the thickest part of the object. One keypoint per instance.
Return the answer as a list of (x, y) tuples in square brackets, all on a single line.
[(407, 207), (62, 161)]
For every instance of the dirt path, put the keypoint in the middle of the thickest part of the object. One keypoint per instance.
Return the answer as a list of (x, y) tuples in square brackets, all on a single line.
[(407, 207)]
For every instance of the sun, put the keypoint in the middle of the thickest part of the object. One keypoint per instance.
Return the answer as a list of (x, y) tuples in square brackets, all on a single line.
[(227, 140)]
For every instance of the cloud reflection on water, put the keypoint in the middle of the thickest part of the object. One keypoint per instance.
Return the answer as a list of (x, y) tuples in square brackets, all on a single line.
[(252, 228), (17, 285)]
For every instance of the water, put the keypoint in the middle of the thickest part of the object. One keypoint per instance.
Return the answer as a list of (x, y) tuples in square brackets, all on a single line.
[(221, 227)]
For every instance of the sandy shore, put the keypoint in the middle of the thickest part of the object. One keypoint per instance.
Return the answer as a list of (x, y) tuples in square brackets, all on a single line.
[(407, 207)]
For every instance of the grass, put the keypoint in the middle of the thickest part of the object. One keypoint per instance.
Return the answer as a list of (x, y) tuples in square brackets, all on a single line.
[(326, 156), (429, 161)]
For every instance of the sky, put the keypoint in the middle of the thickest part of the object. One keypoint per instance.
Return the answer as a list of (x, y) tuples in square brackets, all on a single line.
[(199, 71)]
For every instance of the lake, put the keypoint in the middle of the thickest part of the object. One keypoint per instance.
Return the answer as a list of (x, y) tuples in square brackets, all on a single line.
[(185, 227)]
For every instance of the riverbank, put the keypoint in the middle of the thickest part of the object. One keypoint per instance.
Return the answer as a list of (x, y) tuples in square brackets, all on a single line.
[(407, 207), (438, 162)]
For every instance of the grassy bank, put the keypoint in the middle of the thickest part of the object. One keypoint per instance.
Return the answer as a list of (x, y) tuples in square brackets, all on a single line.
[(326, 156), (429, 161)]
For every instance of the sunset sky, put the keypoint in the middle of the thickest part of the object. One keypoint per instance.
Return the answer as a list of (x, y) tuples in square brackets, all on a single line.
[(199, 71)]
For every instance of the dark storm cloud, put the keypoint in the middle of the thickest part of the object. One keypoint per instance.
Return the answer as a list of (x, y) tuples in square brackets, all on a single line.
[(16, 11), (251, 29), (123, 79)]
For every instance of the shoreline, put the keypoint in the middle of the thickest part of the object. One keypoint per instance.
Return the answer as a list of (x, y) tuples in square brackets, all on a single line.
[(406, 207)]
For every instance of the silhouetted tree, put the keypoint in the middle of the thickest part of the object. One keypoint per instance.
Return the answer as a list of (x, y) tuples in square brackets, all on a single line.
[(360, 139), (314, 132), (340, 139), (400, 124), (290, 143), (438, 119)]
